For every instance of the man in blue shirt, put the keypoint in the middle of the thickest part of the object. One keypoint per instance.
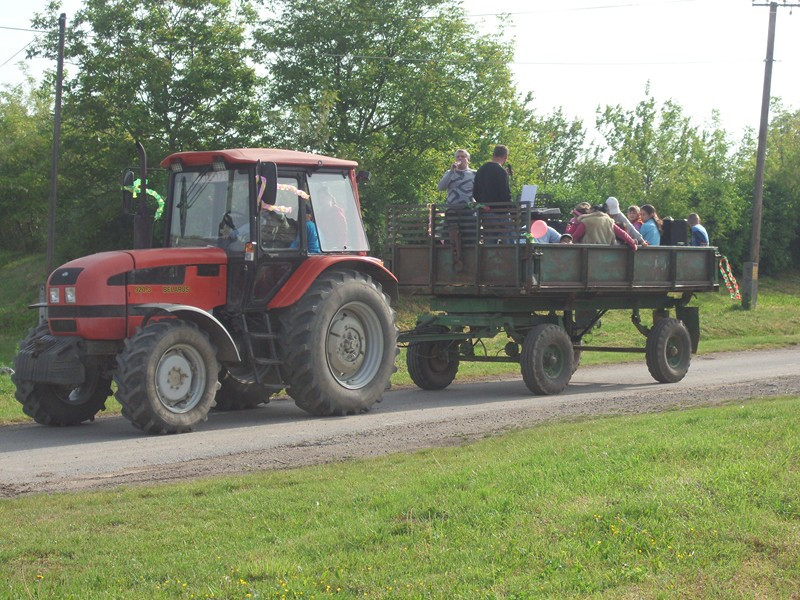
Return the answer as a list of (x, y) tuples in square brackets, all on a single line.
[(551, 236), (699, 233)]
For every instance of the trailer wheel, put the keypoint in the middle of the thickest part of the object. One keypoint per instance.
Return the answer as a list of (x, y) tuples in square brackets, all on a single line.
[(546, 359), (432, 365), (167, 377), (238, 392), (339, 344), (668, 351), (59, 405)]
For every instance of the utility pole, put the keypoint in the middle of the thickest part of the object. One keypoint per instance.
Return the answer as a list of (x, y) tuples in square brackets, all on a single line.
[(750, 275), (51, 224)]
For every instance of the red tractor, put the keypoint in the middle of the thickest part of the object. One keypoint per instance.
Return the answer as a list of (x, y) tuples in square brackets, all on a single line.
[(263, 284)]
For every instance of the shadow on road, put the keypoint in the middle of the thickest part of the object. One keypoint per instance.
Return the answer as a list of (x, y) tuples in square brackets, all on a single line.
[(115, 428)]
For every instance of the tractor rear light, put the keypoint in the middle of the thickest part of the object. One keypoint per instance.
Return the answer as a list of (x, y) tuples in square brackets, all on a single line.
[(69, 295), (55, 295), (249, 251)]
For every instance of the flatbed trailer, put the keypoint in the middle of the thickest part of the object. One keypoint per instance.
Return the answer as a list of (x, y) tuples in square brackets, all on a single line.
[(544, 297)]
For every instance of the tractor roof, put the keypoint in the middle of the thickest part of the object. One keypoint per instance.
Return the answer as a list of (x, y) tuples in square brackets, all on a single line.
[(253, 155)]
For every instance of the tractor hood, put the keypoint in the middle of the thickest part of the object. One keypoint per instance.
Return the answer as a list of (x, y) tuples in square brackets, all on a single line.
[(161, 257)]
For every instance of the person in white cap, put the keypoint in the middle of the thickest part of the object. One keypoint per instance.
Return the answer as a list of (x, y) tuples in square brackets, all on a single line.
[(614, 212)]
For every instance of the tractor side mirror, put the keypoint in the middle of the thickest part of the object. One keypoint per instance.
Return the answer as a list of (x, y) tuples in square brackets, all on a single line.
[(128, 178), (362, 176), (269, 171)]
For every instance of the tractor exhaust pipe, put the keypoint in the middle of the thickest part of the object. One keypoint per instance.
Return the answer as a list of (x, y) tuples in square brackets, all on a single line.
[(143, 220)]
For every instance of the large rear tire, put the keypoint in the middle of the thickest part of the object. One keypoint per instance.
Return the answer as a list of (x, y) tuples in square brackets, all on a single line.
[(546, 360), (59, 405), (668, 350), (432, 365), (167, 377), (339, 344)]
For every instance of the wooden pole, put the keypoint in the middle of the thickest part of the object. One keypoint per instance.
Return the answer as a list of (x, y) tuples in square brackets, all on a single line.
[(51, 223)]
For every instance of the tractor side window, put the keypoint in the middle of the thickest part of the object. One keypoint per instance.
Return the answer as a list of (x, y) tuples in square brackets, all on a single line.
[(336, 212), (211, 208), (278, 222)]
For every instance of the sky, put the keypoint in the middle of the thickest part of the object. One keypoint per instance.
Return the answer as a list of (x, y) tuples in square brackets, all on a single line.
[(581, 54)]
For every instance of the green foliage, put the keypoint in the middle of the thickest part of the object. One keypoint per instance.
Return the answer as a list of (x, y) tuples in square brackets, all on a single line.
[(175, 75), (26, 134), (396, 85), (781, 203)]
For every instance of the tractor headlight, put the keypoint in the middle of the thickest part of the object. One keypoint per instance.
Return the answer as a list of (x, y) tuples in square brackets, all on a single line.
[(55, 295), (69, 295)]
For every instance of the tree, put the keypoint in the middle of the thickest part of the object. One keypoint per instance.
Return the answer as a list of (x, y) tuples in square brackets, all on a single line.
[(397, 85), (174, 74), (780, 235), (26, 135)]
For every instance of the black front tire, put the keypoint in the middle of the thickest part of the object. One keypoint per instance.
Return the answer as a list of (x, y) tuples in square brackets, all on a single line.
[(339, 344), (167, 377), (668, 350), (546, 360), (432, 365), (59, 405)]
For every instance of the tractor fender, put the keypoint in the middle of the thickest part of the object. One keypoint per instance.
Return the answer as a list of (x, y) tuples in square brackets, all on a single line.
[(314, 266), (227, 352)]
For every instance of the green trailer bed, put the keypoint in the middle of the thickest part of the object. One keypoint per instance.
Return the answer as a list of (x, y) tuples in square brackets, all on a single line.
[(544, 297)]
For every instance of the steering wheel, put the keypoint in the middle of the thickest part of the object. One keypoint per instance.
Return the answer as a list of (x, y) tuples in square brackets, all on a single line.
[(234, 221)]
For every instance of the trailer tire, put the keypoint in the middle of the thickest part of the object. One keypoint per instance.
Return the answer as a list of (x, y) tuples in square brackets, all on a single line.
[(59, 405), (668, 350), (432, 365), (167, 377), (546, 360), (339, 344), (237, 393)]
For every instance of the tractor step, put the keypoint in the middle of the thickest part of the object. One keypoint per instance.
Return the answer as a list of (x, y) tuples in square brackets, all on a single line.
[(266, 361), (262, 350), (257, 335)]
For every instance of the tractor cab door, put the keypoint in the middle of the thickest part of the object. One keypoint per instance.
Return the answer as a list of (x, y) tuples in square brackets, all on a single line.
[(280, 209)]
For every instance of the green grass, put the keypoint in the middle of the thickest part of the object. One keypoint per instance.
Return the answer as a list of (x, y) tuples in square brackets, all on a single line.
[(695, 503)]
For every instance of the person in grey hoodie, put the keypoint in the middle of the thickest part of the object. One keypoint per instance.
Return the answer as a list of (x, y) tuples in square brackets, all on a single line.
[(620, 219), (458, 181)]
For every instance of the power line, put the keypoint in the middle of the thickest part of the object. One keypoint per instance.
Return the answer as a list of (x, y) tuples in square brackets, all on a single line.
[(539, 63), (577, 8), (23, 29), (18, 51)]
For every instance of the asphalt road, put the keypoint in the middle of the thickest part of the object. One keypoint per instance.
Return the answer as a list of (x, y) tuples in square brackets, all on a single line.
[(110, 452)]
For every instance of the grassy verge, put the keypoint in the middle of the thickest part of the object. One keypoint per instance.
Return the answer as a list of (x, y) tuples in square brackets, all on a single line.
[(696, 503)]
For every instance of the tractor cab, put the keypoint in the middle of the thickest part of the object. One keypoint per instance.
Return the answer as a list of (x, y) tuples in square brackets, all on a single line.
[(216, 198), (252, 203)]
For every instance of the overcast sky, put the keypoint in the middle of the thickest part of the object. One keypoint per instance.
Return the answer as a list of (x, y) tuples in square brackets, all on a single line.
[(578, 54)]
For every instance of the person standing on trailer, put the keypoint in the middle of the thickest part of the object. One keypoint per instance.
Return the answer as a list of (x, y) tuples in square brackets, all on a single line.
[(458, 181), (492, 187)]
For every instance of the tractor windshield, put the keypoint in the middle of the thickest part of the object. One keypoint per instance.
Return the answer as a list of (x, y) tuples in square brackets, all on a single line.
[(336, 213), (211, 208)]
